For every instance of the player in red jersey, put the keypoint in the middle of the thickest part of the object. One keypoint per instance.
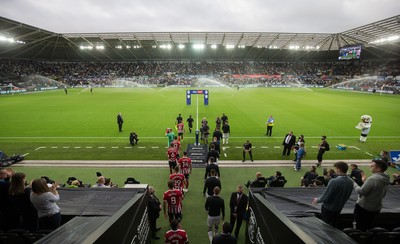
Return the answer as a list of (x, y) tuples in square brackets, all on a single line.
[(179, 179), (173, 199), (177, 144), (185, 163), (172, 157), (181, 129), (176, 235)]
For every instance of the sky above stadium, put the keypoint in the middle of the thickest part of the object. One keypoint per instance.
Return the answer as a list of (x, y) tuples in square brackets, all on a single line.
[(94, 16)]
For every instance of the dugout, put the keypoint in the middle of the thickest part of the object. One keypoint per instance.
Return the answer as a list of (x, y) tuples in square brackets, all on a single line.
[(286, 215), (99, 215)]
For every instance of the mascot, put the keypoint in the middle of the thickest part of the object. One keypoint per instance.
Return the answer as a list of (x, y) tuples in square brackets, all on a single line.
[(365, 127)]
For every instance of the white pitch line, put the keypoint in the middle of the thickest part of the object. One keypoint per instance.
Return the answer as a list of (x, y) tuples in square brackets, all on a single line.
[(39, 148), (355, 147), (128, 147), (77, 147), (89, 147), (314, 146), (102, 147), (225, 155), (264, 147), (277, 147), (25, 154), (369, 154), (54, 147), (154, 147), (142, 147), (238, 147), (114, 147)]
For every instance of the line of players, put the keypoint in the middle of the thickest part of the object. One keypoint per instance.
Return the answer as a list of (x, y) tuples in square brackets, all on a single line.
[(221, 123)]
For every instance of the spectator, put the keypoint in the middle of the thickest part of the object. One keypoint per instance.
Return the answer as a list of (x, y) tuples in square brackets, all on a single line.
[(335, 195), (100, 183), (8, 220), (44, 199), (357, 174), (322, 148), (225, 236), (260, 181), (20, 199), (277, 180), (300, 154), (214, 206), (309, 176), (370, 195), (385, 157)]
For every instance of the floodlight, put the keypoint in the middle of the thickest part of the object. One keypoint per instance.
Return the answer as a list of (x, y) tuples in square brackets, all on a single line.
[(294, 47), (241, 46), (181, 46), (164, 46), (100, 47), (118, 47), (230, 46), (198, 46), (128, 47), (214, 46), (386, 39)]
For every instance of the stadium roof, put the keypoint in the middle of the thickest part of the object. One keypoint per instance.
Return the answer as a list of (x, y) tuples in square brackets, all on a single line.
[(22, 41)]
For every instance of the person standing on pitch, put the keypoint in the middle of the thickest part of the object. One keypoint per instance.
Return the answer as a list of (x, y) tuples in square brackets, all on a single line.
[(335, 195), (270, 124), (190, 121), (322, 148), (225, 236), (214, 206), (247, 149), (238, 205), (154, 208), (226, 130), (120, 121), (288, 143)]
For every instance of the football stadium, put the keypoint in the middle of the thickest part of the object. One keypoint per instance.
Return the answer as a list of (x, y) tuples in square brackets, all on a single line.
[(81, 108)]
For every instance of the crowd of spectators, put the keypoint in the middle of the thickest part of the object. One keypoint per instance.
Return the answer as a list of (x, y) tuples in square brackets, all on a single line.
[(169, 73)]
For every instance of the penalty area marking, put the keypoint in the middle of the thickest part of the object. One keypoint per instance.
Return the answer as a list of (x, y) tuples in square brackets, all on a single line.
[(369, 154), (225, 155)]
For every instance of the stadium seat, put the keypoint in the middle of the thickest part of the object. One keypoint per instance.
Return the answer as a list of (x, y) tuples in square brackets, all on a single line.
[(396, 229), (377, 230), (11, 238), (361, 237), (386, 238), (32, 237)]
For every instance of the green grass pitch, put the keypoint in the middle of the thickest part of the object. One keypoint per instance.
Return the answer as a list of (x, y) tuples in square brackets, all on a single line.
[(80, 125), (52, 125)]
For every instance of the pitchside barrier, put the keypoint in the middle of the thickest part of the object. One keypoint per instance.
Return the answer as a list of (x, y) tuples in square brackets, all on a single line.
[(395, 158), (286, 215), (96, 215)]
